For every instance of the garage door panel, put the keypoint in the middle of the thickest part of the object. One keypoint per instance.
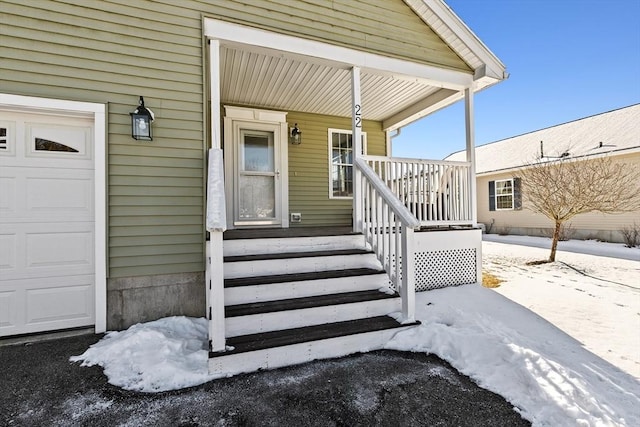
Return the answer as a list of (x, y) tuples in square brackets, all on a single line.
[(46, 194), (64, 303), (35, 251), (7, 252), (8, 193), (9, 308), (60, 195), (59, 250)]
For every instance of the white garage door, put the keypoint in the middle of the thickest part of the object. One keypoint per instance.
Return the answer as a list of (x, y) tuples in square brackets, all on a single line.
[(47, 222)]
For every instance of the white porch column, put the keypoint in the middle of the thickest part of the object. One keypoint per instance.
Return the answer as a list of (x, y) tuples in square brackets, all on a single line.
[(356, 129), (471, 158), (216, 211), (471, 151), (214, 88)]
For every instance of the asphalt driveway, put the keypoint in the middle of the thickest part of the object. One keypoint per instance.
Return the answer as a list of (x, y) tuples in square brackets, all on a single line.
[(40, 387)]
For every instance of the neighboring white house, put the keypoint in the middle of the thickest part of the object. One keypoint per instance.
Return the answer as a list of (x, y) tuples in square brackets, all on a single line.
[(614, 133)]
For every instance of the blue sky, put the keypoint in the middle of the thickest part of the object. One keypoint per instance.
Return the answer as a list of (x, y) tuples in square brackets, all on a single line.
[(567, 59)]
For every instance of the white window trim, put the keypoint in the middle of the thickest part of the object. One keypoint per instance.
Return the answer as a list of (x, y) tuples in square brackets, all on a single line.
[(330, 151), (496, 195), (98, 112)]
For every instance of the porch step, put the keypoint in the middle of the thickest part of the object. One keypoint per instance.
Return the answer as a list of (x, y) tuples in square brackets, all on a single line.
[(298, 277), (299, 345), (299, 285), (298, 242), (292, 336), (304, 303), (305, 254), (268, 316), (271, 264)]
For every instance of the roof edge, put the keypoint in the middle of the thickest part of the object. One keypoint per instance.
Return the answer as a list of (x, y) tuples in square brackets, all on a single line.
[(494, 68), (622, 151)]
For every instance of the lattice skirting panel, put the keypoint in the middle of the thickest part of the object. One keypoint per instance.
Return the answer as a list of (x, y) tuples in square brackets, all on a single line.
[(439, 269)]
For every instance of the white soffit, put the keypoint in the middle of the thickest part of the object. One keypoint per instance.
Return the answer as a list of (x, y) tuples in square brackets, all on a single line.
[(270, 80)]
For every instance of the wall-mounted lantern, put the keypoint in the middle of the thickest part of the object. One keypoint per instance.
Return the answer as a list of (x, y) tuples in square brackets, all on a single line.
[(295, 135), (141, 120)]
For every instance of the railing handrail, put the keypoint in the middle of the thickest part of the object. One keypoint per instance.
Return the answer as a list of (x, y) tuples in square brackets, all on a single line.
[(410, 160), (400, 210)]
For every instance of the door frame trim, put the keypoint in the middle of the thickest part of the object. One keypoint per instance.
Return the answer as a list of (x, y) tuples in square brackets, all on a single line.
[(98, 113), (278, 121)]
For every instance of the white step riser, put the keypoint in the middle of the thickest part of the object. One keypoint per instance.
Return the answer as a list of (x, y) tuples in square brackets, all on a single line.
[(292, 244), (266, 322), (298, 265), (278, 291), (278, 357)]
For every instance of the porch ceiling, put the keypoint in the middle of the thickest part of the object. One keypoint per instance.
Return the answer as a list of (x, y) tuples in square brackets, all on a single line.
[(281, 81)]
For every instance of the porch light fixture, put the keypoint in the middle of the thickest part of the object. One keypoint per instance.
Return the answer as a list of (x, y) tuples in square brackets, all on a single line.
[(295, 135), (141, 119)]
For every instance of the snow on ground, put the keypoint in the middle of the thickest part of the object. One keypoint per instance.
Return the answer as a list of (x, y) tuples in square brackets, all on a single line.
[(591, 247), (549, 373), (601, 310)]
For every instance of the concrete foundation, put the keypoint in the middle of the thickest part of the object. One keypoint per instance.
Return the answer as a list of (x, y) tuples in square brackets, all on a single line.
[(133, 300)]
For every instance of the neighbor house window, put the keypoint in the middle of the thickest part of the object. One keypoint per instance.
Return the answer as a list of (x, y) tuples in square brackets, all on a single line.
[(505, 194), (341, 162)]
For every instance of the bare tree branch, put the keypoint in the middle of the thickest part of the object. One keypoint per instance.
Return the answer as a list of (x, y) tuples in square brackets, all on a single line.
[(563, 188)]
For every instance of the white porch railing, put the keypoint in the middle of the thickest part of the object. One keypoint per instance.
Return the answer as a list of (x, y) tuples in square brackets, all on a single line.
[(388, 227), (435, 192)]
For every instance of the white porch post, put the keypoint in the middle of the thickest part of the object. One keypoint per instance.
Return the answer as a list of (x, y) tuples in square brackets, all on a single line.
[(471, 152), (471, 158), (408, 291), (356, 130), (216, 214)]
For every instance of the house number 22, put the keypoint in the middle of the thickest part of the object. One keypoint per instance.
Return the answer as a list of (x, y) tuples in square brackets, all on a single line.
[(357, 113)]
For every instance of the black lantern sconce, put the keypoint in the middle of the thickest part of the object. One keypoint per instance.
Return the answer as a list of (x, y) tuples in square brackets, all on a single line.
[(295, 135), (141, 120)]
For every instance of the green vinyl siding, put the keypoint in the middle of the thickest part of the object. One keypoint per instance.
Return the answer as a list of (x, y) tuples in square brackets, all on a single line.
[(113, 51), (309, 168)]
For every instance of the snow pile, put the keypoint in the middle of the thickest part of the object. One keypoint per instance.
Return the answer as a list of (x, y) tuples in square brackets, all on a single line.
[(547, 375), (165, 354)]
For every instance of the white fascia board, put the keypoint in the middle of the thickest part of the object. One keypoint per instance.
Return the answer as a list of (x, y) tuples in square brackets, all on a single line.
[(494, 67), (346, 57)]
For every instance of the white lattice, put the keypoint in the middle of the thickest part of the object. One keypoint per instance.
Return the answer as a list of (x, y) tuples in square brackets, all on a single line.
[(440, 269)]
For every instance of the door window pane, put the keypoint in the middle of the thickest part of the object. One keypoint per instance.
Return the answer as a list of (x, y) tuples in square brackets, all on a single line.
[(258, 152), (257, 197)]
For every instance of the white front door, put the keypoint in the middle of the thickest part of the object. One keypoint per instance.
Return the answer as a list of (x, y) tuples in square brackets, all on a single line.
[(256, 181), (47, 223)]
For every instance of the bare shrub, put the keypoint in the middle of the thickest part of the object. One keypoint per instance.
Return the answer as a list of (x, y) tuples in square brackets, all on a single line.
[(504, 230), (631, 235), (566, 232)]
